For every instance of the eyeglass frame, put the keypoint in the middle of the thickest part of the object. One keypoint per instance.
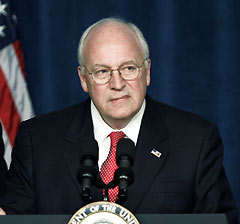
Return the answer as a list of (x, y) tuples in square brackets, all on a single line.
[(117, 69)]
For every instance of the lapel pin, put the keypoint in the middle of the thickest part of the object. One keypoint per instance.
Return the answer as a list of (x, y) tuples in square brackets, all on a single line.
[(156, 153)]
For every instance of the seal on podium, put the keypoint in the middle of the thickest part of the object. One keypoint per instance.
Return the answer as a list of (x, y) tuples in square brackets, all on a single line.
[(103, 212)]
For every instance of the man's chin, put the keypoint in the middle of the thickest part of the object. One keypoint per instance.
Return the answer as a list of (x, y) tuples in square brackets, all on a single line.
[(123, 117), (121, 113)]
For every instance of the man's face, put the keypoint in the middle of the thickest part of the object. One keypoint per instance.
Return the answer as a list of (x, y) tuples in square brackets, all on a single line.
[(118, 100)]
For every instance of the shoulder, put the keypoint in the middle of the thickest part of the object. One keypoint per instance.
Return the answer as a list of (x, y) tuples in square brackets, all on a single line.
[(177, 120), (1, 143), (57, 119)]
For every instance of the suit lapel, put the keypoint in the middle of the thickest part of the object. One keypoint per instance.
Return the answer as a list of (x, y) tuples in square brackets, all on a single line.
[(79, 131), (153, 135)]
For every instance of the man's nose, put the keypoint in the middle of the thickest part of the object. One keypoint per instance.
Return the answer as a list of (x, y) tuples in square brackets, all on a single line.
[(117, 82)]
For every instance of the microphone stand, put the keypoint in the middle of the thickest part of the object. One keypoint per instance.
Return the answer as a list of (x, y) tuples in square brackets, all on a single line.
[(106, 187), (105, 196)]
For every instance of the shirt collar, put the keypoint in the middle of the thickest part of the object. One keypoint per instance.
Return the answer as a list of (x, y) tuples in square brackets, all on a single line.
[(102, 130)]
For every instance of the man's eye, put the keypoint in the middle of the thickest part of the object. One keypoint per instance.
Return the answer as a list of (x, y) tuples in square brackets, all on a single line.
[(128, 68), (101, 71)]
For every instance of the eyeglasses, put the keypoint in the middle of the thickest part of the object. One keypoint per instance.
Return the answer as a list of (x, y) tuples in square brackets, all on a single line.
[(102, 74)]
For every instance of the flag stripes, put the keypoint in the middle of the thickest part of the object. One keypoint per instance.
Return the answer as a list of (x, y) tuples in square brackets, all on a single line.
[(9, 115), (15, 103), (7, 145), (19, 54)]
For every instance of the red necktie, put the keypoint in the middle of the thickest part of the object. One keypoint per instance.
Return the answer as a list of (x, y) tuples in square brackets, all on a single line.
[(109, 166)]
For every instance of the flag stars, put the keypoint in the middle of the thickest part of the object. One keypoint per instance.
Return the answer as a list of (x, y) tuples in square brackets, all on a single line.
[(2, 34), (4, 13), (14, 17), (2, 8)]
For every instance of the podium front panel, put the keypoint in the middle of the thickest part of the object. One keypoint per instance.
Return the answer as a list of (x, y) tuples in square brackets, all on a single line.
[(143, 219)]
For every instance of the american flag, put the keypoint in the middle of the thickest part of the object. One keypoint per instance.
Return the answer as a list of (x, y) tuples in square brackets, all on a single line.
[(156, 153), (15, 103)]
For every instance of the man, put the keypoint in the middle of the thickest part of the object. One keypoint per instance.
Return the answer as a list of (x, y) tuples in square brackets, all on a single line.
[(178, 164), (3, 166)]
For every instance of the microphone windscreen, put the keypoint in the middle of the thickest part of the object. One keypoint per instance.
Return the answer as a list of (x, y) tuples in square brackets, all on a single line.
[(125, 147), (89, 149)]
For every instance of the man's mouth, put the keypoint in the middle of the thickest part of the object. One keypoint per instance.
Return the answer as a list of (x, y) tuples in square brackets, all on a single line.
[(118, 99)]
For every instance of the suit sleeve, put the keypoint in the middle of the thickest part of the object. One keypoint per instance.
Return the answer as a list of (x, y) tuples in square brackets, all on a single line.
[(213, 194), (3, 166), (19, 197)]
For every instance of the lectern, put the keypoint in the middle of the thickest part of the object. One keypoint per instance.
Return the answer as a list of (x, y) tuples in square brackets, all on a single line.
[(142, 218)]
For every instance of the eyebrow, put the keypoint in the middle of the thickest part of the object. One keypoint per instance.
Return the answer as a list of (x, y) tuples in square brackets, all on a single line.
[(124, 63)]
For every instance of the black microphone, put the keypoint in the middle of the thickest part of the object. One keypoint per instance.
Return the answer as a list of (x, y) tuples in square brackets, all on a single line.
[(124, 175), (87, 175)]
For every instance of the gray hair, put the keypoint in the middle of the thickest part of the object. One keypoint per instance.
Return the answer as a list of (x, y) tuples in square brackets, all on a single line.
[(101, 22)]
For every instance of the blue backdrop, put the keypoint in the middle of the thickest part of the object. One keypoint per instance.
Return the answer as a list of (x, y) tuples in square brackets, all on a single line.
[(194, 47)]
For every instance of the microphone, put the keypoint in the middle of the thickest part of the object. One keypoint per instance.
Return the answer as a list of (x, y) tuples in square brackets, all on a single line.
[(87, 175), (124, 175)]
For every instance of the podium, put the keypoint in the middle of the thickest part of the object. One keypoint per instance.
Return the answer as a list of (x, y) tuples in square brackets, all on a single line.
[(142, 218)]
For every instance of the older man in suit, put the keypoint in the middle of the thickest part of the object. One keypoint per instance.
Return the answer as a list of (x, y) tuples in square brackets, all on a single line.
[(178, 165)]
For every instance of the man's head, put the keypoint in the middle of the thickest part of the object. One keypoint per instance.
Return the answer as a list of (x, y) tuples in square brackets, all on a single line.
[(112, 46)]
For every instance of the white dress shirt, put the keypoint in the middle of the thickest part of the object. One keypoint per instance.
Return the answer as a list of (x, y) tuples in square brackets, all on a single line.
[(102, 131)]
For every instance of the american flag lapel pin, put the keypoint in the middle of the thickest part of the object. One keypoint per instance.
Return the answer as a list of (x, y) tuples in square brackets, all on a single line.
[(156, 153)]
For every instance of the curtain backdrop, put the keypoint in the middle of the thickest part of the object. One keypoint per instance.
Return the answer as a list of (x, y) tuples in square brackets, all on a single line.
[(194, 47)]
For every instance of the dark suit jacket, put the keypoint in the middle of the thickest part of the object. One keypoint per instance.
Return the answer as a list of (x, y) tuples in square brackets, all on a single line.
[(188, 177), (3, 166)]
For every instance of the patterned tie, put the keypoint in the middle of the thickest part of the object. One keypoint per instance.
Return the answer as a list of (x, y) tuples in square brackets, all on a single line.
[(109, 166)]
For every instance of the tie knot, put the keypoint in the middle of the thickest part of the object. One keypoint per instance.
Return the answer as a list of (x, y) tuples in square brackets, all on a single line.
[(115, 137)]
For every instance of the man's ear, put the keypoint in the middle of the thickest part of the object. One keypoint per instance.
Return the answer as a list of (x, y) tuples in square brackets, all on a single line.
[(82, 79), (148, 67)]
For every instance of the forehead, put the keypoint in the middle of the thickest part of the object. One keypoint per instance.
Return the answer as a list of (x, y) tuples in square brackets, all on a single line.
[(112, 41)]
